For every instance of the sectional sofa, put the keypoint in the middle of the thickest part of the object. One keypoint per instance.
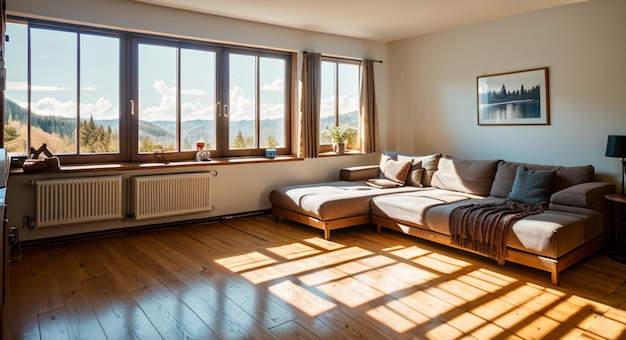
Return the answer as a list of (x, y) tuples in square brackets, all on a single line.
[(427, 196)]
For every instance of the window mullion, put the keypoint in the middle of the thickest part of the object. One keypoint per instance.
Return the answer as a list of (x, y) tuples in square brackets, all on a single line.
[(336, 94), (257, 106), (29, 92), (178, 100), (78, 117)]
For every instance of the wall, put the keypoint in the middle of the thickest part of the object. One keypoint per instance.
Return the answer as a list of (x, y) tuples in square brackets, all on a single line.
[(432, 87), (238, 188)]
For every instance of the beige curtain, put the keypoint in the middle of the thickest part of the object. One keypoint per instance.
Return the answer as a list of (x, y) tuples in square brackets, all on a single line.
[(368, 113), (309, 124)]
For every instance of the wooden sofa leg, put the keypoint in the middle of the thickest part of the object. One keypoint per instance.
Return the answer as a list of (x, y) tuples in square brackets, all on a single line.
[(326, 234), (379, 229), (556, 278)]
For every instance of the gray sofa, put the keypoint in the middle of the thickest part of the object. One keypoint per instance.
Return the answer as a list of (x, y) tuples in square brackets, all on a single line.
[(576, 222)]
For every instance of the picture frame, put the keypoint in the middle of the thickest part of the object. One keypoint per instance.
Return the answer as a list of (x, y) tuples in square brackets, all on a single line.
[(514, 98)]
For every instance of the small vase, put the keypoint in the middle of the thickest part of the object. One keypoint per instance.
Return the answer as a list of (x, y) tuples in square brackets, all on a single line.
[(202, 155), (339, 148), (270, 153)]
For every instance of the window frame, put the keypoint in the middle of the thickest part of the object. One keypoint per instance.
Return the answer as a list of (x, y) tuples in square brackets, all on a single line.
[(325, 148), (128, 124)]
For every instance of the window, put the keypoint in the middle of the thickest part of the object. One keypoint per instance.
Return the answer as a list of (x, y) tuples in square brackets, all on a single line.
[(103, 95), (340, 93), (256, 105), (64, 93)]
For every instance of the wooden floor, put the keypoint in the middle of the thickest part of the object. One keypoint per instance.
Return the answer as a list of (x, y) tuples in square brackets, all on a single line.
[(254, 278)]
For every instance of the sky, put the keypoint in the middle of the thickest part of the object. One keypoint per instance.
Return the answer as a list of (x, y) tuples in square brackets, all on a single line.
[(54, 79)]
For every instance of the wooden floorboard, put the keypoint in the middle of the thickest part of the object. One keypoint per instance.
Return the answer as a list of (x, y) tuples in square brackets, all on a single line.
[(255, 278)]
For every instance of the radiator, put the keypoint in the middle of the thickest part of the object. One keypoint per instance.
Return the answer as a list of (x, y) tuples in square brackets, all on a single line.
[(77, 200), (173, 194)]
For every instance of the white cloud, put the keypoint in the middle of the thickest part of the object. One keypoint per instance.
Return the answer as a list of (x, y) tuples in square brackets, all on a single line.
[(271, 111), (347, 104), (101, 109), (167, 104), (51, 106), (241, 108), (276, 86), (23, 86), (89, 88), (191, 111), (194, 92)]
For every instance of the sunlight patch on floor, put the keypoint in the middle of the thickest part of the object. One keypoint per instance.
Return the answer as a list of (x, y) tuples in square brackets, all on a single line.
[(294, 251), (345, 269), (324, 244), (304, 265), (245, 262), (397, 321), (610, 326), (301, 298), (350, 292)]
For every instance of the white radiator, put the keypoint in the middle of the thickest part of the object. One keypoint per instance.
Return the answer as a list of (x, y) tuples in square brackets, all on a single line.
[(173, 194), (77, 200)]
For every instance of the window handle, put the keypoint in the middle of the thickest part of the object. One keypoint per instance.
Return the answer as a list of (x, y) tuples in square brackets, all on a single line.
[(132, 107), (226, 110)]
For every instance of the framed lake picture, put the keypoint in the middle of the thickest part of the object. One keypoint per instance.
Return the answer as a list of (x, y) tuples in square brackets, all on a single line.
[(514, 98)]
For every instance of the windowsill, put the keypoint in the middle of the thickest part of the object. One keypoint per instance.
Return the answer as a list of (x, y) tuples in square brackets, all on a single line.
[(156, 165), (334, 154)]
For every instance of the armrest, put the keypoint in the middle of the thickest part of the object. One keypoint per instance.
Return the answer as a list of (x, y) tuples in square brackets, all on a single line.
[(359, 173), (584, 195)]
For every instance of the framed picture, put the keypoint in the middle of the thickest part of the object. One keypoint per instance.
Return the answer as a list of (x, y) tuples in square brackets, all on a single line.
[(514, 98)]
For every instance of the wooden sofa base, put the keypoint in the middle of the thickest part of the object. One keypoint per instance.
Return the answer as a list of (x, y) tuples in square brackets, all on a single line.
[(326, 226), (553, 266)]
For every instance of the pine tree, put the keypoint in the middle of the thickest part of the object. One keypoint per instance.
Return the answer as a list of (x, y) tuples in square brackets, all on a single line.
[(239, 142)]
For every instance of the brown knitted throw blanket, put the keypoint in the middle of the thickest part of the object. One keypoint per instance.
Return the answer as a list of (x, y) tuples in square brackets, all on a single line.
[(484, 228)]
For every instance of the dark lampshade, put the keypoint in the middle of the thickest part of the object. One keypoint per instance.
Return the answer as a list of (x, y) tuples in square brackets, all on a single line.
[(616, 146)]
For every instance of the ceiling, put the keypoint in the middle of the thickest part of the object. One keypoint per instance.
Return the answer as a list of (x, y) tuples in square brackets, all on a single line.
[(378, 20)]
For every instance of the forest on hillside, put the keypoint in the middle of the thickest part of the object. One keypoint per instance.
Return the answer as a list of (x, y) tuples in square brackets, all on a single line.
[(102, 136)]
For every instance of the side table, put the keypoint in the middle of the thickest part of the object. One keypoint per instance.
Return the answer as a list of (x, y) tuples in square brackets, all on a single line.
[(619, 203)]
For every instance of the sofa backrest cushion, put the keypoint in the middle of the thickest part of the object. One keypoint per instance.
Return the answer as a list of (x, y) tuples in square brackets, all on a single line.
[(429, 166), (565, 176), (468, 176), (532, 186)]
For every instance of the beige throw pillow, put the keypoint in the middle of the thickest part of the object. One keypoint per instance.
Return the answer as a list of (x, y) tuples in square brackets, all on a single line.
[(393, 172), (429, 164), (414, 178)]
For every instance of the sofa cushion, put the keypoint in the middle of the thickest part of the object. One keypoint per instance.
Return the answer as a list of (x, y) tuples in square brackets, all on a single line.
[(565, 176), (551, 233), (393, 172), (414, 178), (468, 176), (429, 164), (532, 186), (331, 200)]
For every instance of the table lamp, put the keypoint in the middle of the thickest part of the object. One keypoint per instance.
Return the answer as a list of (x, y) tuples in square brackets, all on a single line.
[(616, 147)]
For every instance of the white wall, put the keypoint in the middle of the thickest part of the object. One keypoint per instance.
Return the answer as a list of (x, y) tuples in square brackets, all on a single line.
[(238, 188), (432, 87)]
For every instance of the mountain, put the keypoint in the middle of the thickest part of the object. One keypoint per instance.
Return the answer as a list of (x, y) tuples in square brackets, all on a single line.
[(163, 132)]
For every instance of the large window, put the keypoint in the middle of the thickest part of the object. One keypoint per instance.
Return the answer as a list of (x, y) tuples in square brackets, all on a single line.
[(63, 89), (340, 94), (94, 95)]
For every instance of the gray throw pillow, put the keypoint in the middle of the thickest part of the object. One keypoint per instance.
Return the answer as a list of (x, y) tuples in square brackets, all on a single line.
[(532, 186)]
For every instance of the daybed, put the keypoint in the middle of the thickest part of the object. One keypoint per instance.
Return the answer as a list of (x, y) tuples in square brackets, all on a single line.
[(576, 222)]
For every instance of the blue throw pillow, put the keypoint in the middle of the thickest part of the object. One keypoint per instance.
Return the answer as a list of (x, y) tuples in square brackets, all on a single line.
[(532, 186)]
